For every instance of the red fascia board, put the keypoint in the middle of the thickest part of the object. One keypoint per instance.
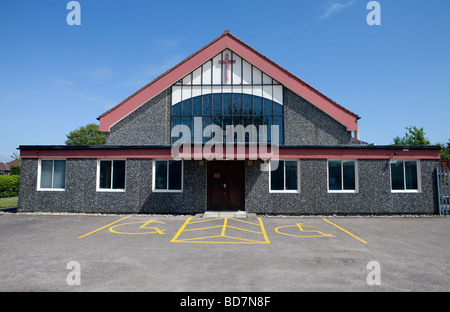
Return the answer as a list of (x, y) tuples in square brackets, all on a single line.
[(163, 153), (284, 153), (360, 153), (228, 41)]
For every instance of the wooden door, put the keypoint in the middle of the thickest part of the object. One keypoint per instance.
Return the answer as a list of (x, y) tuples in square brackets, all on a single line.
[(226, 185)]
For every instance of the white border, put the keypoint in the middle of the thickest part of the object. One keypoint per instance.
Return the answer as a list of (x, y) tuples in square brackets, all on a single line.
[(38, 186), (97, 186), (167, 173), (284, 184), (356, 190), (419, 176)]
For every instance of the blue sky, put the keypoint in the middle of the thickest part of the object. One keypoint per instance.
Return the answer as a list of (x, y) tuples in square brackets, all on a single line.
[(55, 78)]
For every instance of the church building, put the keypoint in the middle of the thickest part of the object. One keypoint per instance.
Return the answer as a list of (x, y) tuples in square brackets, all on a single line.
[(227, 129)]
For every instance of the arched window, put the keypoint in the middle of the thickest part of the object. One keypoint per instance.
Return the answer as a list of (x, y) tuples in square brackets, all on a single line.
[(225, 109), (229, 91)]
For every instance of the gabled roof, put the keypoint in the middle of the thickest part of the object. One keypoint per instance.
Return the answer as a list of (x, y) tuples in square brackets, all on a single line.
[(14, 162), (8, 165), (228, 41)]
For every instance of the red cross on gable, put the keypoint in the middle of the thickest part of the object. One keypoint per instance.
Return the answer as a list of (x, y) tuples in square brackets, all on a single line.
[(226, 62)]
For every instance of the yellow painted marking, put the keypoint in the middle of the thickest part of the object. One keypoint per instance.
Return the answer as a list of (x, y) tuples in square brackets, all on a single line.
[(205, 228), (246, 221), (264, 231), (102, 228), (237, 228), (156, 230), (199, 240), (150, 221), (196, 238), (300, 226), (181, 230), (345, 231), (224, 226)]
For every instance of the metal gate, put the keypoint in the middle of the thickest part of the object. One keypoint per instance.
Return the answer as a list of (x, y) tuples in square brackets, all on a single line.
[(443, 179)]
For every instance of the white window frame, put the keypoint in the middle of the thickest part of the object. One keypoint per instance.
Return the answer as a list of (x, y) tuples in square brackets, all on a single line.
[(419, 180), (98, 189), (53, 167), (356, 190), (284, 186), (167, 174)]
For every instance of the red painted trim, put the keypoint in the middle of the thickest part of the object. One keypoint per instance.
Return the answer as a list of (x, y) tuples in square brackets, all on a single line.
[(98, 153), (338, 153), (284, 153), (228, 41)]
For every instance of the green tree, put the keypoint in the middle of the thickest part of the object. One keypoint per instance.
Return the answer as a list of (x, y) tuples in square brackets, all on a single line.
[(445, 151), (414, 136), (87, 135), (15, 170)]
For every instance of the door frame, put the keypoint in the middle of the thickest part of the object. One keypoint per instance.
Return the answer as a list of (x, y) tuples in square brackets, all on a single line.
[(208, 187)]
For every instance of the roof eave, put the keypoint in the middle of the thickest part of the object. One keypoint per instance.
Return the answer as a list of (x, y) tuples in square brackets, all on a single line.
[(227, 41)]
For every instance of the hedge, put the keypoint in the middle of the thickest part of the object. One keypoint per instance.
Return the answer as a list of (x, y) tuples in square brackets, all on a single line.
[(9, 186)]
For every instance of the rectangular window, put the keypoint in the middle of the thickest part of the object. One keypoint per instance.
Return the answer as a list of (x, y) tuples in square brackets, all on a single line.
[(167, 176), (52, 174), (284, 178), (404, 175), (342, 176), (111, 175)]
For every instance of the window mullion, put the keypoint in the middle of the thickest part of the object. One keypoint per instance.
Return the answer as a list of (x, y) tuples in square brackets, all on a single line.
[(167, 175), (112, 173), (53, 171), (404, 176)]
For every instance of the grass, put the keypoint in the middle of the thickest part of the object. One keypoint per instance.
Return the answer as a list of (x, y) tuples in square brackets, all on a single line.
[(8, 202)]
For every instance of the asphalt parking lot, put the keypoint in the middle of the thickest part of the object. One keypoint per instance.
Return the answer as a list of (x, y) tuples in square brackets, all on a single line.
[(51, 252)]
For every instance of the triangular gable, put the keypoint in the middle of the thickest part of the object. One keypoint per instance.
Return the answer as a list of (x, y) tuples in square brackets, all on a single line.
[(227, 72), (245, 52)]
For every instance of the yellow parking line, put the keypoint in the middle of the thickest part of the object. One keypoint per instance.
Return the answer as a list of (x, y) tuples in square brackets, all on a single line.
[(102, 228), (224, 226), (246, 221), (237, 228), (264, 231), (180, 230), (205, 228), (345, 231)]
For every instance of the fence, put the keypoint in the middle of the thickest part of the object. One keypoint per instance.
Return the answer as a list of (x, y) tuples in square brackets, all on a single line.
[(443, 177)]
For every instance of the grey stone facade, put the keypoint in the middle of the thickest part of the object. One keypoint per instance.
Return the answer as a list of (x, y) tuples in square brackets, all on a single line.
[(304, 124), (374, 194), (80, 194), (147, 125)]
